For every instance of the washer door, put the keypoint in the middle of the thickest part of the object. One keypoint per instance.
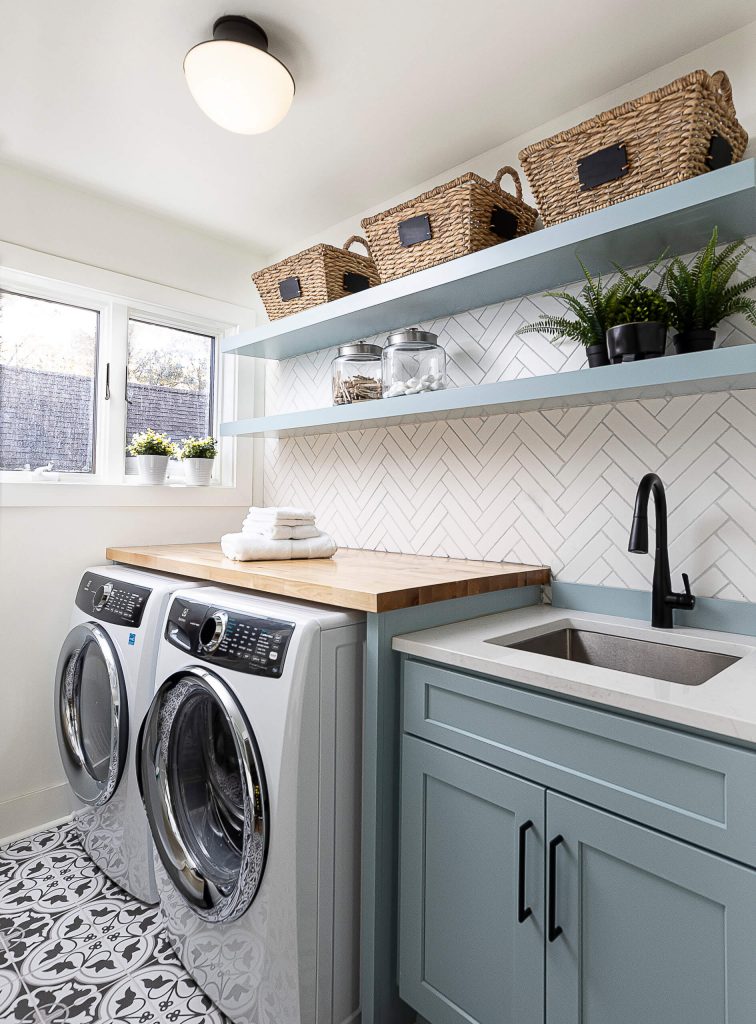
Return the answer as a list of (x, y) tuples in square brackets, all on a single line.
[(91, 713), (203, 787)]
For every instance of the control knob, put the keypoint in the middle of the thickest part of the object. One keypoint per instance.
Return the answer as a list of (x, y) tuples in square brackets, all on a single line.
[(101, 596), (212, 631)]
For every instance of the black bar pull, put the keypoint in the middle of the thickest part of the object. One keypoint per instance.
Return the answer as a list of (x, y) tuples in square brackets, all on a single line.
[(554, 929), (107, 382), (523, 911)]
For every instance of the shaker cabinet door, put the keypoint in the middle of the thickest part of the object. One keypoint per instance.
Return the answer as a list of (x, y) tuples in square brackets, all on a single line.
[(643, 928), (471, 878)]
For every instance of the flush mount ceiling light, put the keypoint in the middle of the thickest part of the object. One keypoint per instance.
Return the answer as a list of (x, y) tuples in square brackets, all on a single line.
[(235, 81)]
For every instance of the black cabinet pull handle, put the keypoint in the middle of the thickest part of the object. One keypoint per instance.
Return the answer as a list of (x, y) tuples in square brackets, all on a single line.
[(554, 929), (523, 911)]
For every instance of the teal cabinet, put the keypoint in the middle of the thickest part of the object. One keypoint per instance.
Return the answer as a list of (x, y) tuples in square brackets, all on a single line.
[(471, 875), (649, 928), (523, 902)]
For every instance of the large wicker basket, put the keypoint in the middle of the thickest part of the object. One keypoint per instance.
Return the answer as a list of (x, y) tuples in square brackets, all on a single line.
[(319, 274), (451, 220), (677, 132)]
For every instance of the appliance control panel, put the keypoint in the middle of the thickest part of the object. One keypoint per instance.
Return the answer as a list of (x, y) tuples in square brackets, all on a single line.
[(244, 643), (112, 600)]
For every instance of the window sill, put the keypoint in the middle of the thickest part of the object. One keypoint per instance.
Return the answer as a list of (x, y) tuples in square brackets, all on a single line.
[(107, 494)]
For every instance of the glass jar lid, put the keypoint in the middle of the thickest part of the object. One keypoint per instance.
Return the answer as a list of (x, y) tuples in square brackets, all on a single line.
[(411, 336), (360, 348)]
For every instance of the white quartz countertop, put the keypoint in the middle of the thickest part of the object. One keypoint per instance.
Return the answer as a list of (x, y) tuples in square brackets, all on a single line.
[(724, 704)]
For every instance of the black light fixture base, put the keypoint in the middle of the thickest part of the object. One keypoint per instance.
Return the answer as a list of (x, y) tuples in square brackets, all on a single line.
[(237, 29)]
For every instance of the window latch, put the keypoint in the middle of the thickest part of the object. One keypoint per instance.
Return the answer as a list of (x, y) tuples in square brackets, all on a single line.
[(107, 382)]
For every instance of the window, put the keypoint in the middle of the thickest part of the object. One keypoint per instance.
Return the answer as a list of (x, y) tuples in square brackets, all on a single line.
[(170, 377), (48, 374)]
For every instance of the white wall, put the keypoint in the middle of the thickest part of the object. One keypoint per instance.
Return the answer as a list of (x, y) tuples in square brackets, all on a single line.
[(555, 487), (43, 549), (733, 53)]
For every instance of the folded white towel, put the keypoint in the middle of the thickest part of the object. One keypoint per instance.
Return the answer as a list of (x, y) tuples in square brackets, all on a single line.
[(257, 529), (281, 516), (242, 547)]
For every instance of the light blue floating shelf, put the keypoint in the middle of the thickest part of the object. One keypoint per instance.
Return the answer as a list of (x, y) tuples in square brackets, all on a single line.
[(719, 370), (679, 217)]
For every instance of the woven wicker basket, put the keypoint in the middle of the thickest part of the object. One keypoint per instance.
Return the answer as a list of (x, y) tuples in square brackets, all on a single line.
[(321, 273), (451, 220), (677, 132)]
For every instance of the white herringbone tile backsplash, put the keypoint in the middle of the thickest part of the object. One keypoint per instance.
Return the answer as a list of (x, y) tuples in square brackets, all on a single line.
[(548, 487)]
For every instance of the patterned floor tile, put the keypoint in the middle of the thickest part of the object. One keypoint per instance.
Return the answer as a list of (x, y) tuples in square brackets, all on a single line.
[(76, 949)]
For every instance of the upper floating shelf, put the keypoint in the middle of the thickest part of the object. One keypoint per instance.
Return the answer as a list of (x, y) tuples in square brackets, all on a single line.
[(669, 376), (679, 217)]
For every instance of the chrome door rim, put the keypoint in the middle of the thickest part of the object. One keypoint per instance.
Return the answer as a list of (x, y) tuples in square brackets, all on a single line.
[(87, 787), (201, 894)]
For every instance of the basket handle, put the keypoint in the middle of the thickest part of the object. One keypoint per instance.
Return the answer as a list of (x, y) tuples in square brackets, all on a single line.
[(721, 83), (514, 176), (357, 238)]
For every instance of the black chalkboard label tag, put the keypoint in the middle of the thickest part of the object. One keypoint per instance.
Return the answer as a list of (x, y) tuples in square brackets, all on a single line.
[(720, 153), (503, 223), (602, 166), (355, 282), (414, 230), (289, 289)]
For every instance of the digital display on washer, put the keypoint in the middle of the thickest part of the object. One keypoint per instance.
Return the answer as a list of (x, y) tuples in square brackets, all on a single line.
[(244, 643), (112, 600)]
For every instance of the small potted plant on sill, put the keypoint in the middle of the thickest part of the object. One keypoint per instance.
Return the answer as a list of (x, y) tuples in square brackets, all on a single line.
[(152, 451), (639, 329), (593, 310), (198, 456), (702, 295)]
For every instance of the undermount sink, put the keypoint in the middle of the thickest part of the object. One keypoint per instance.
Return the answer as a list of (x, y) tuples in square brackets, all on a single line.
[(624, 654)]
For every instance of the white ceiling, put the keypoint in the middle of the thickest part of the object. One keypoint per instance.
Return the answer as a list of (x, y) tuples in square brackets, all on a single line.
[(389, 93)]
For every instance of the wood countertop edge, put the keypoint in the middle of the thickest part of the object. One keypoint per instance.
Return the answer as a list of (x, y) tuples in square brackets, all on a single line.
[(329, 593)]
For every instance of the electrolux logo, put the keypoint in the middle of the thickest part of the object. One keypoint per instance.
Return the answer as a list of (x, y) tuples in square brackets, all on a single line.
[(132, 639)]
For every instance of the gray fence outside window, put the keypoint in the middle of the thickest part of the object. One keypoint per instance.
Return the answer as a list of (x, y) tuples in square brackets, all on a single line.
[(47, 417)]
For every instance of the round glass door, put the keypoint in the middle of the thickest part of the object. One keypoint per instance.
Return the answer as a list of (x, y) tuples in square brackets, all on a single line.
[(91, 713), (203, 785)]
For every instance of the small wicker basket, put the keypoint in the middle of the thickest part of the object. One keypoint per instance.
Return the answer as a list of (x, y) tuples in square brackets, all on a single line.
[(677, 132), (319, 274), (451, 220)]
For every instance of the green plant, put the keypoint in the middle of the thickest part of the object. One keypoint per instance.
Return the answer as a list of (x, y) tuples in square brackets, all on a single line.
[(199, 448), (640, 306), (151, 443), (595, 307), (701, 295)]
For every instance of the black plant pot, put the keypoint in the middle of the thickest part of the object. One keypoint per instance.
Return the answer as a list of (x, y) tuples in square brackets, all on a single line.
[(694, 341), (597, 355), (628, 342)]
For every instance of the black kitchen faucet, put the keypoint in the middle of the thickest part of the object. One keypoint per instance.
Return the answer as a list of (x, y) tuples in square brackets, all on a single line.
[(663, 598)]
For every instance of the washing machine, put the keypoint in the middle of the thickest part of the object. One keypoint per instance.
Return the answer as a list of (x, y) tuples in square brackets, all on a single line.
[(104, 682), (250, 767)]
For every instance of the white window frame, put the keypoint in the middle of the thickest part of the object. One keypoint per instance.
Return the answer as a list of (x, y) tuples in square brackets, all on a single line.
[(238, 388)]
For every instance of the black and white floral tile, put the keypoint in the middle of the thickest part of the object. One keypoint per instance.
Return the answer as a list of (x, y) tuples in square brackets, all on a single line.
[(76, 949)]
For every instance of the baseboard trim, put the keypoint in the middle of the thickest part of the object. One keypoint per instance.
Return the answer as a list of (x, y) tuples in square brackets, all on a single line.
[(24, 815)]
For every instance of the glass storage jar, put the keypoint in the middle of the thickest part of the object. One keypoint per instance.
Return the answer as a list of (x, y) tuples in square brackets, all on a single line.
[(356, 373), (413, 361)]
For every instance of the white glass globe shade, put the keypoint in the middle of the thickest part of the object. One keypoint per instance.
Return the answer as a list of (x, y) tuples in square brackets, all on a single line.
[(240, 87)]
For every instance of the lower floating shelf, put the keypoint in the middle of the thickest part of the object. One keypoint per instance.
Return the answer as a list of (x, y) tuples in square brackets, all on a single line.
[(719, 370)]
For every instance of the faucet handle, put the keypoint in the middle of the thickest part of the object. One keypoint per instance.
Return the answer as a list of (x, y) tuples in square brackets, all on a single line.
[(686, 584)]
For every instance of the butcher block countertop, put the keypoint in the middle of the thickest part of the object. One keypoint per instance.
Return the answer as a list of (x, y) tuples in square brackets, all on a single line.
[(368, 581)]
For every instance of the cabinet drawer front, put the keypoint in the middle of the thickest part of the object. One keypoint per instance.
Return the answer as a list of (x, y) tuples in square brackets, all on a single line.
[(699, 789)]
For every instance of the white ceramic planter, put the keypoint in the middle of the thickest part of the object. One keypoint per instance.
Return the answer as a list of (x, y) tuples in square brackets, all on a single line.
[(198, 472), (152, 468)]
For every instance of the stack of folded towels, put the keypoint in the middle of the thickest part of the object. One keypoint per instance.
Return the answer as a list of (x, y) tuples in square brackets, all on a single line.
[(271, 533)]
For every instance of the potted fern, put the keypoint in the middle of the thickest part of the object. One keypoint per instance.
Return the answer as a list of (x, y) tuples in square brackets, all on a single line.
[(198, 455), (640, 326), (593, 310), (703, 294), (153, 452)]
